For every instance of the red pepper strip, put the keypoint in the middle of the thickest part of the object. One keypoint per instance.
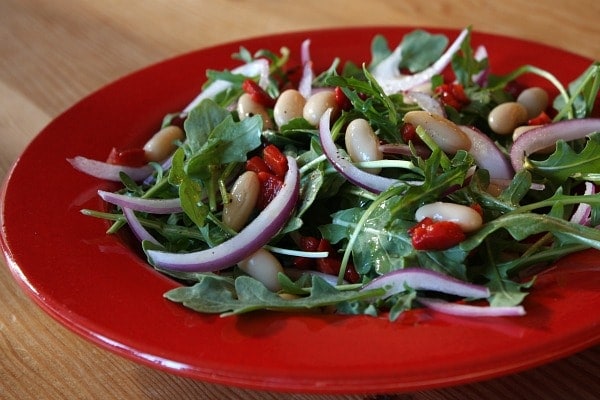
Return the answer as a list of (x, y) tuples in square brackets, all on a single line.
[(257, 164), (435, 235), (341, 100), (307, 243), (135, 157), (275, 160), (541, 119), (269, 187), (332, 264), (453, 95), (257, 93)]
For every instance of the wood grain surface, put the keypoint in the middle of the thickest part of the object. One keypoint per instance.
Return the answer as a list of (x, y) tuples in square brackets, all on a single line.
[(53, 53)]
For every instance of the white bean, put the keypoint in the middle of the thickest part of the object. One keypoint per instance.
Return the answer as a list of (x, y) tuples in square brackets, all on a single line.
[(246, 107), (244, 195), (362, 144), (534, 99), (442, 131), (163, 143), (467, 218), (264, 267), (505, 117), (289, 105), (317, 104)]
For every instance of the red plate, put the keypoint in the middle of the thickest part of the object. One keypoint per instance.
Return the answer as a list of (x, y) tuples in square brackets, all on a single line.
[(100, 288)]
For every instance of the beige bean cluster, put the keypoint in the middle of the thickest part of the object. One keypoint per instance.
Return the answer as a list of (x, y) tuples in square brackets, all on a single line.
[(467, 218), (247, 107), (291, 104), (442, 131), (506, 117), (243, 197), (163, 143), (264, 267), (362, 144)]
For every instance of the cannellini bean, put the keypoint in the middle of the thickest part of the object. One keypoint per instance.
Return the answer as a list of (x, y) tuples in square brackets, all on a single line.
[(244, 195), (505, 117), (163, 143), (246, 107), (317, 104), (362, 144), (264, 267), (522, 129), (467, 218), (442, 131), (534, 99), (289, 105)]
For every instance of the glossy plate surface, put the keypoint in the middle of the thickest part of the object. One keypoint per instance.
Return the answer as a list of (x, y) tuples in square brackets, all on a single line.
[(100, 288)]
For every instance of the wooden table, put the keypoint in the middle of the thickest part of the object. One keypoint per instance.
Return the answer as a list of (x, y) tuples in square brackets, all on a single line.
[(54, 53)]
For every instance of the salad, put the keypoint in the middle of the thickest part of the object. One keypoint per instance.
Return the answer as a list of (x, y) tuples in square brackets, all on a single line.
[(418, 178)]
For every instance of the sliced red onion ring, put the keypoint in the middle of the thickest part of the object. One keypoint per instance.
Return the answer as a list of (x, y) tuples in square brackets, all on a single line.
[(109, 172), (258, 68), (582, 214), (547, 135), (404, 149), (424, 279), (481, 77), (466, 310), (305, 84), (487, 155), (154, 206), (426, 102), (136, 227), (254, 236), (366, 180), (397, 83)]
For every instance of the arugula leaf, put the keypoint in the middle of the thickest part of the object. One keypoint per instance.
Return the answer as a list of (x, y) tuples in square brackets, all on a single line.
[(566, 163), (229, 141), (420, 49), (214, 295)]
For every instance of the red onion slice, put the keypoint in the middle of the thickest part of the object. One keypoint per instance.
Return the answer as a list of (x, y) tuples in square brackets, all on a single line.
[(481, 78), (582, 214), (366, 180), (395, 83), (426, 102), (424, 279), (153, 206), (465, 310), (258, 68), (487, 155), (305, 84), (109, 172), (254, 236), (547, 135), (137, 228)]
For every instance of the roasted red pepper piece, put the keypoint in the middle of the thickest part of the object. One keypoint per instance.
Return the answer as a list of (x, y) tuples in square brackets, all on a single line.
[(332, 264), (435, 235), (134, 157), (258, 94), (275, 160), (409, 134), (453, 95), (541, 119), (269, 187), (342, 101), (257, 164)]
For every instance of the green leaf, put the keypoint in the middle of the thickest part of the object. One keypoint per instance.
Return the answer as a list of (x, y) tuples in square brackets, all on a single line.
[(566, 163), (229, 141), (200, 122), (213, 295), (421, 49)]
